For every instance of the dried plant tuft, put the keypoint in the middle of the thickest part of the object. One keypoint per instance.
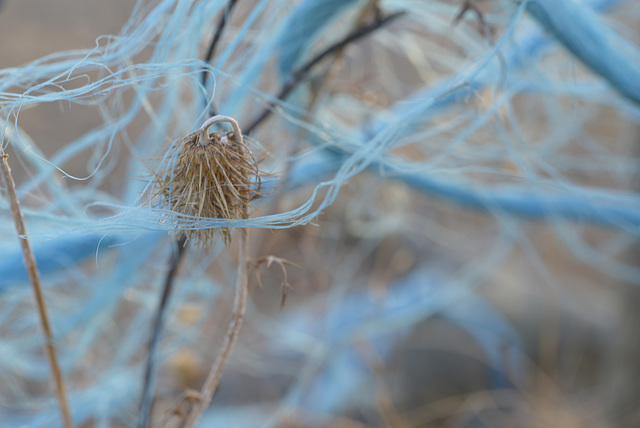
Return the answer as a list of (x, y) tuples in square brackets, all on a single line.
[(215, 175)]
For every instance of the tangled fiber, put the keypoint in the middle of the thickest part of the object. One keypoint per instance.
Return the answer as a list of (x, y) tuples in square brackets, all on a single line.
[(457, 182)]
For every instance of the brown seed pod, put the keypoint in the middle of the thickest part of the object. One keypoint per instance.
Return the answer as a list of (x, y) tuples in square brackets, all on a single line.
[(214, 175)]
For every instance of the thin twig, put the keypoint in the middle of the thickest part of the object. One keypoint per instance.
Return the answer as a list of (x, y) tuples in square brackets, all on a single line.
[(298, 75), (217, 35), (484, 28), (233, 330), (146, 402), (268, 260), (222, 23), (34, 277)]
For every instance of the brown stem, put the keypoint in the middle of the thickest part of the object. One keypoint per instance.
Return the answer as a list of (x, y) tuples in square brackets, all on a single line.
[(214, 42), (146, 402), (32, 270), (233, 330), (217, 35), (297, 76)]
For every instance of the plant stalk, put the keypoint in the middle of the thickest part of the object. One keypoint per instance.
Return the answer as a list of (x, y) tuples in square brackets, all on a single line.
[(146, 402), (231, 336), (34, 278)]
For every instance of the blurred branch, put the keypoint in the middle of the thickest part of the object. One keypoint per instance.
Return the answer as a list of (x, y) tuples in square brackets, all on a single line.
[(222, 23), (471, 6), (217, 35), (298, 75), (146, 403), (34, 278), (371, 7)]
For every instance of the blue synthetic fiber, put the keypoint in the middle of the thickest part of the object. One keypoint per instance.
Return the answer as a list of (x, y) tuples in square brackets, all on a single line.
[(302, 27), (497, 337), (581, 31), (590, 205), (533, 208), (418, 296), (99, 251), (51, 255), (94, 311), (251, 415), (113, 392), (523, 50), (256, 64), (335, 376)]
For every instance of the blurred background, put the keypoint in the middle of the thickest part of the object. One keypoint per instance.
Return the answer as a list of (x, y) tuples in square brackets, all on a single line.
[(453, 211)]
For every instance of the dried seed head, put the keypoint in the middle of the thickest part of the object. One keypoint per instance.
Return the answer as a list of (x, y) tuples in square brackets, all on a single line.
[(214, 175)]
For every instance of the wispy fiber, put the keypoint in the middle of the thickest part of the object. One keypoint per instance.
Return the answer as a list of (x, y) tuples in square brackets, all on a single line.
[(421, 126)]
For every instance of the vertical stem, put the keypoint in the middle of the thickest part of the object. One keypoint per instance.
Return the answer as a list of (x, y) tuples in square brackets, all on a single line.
[(146, 402), (214, 42), (233, 330), (32, 270), (217, 35)]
